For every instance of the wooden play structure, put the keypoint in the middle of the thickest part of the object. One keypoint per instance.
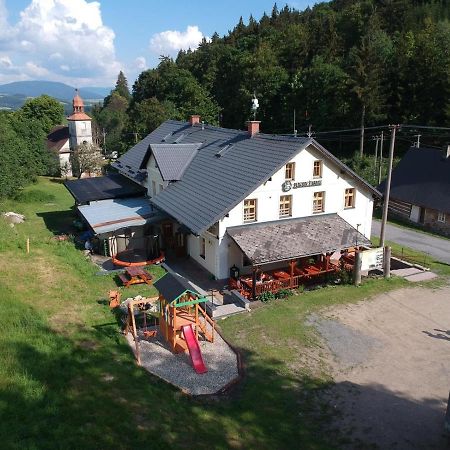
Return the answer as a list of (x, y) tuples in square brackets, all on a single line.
[(181, 318), (180, 307), (130, 325)]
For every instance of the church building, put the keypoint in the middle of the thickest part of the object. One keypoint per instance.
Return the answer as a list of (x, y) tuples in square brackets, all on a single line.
[(63, 140)]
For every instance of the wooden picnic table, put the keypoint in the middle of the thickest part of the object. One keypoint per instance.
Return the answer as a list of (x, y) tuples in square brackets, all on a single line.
[(135, 275), (281, 275)]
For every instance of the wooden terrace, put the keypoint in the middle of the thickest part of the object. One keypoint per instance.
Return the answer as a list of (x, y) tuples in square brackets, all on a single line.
[(298, 273)]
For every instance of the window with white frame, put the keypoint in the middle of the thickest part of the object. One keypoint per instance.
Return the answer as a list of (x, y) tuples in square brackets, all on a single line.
[(349, 198), (250, 210), (290, 171), (319, 202), (285, 206), (154, 187), (441, 217), (317, 169)]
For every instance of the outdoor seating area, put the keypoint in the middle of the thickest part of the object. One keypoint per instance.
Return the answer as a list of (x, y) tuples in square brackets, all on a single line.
[(298, 272), (135, 275)]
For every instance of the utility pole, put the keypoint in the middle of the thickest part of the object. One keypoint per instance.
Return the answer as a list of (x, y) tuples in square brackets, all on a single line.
[(135, 137), (377, 138), (295, 129), (380, 166), (387, 189), (418, 140), (361, 142), (104, 141)]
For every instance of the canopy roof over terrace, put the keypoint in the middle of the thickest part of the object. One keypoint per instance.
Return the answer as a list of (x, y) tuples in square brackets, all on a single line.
[(289, 239)]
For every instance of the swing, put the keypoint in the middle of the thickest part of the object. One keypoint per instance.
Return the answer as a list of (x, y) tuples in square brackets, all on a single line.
[(148, 333)]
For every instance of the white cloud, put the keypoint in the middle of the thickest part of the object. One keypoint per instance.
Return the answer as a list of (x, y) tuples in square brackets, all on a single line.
[(62, 40), (140, 63), (35, 70), (5, 62), (171, 41)]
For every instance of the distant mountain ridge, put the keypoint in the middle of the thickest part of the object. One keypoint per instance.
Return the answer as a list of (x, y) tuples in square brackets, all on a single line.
[(61, 91)]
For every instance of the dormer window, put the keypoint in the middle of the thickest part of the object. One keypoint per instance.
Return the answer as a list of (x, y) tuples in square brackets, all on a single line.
[(317, 170), (290, 171)]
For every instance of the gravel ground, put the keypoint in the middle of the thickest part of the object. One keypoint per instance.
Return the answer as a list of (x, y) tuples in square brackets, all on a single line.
[(350, 346), (177, 369), (390, 363)]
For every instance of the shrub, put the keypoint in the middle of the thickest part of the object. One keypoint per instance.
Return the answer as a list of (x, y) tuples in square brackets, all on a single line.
[(266, 296), (283, 293)]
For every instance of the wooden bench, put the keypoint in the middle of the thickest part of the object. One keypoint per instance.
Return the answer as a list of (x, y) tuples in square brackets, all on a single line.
[(125, 280)]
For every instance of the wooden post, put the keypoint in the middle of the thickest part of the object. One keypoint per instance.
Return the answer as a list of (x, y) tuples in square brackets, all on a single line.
[(357, 268), (174, 326), (196, 321), (28, 245), (133, 321), (387, 262), (254, 283), (291, 281)]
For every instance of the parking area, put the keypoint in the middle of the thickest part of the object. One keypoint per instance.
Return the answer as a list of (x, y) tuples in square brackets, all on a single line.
[(391, 364)]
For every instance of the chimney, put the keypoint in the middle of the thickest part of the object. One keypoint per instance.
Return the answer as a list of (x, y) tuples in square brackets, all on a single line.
[(253, 127), (194, 120)]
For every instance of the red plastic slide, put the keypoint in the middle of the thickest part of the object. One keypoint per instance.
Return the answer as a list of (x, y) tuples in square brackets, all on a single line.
[(194, 349)]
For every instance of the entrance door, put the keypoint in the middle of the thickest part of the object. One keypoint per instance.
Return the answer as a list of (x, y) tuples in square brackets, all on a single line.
[(180, 244), (167, 235), (422, 215)]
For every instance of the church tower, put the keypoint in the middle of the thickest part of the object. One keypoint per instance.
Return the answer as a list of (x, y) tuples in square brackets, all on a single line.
[(80, 130)]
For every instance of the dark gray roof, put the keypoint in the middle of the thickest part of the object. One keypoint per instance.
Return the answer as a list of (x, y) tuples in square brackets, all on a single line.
[(173, 159), (422, 178), (113, 185), (294, 238), (172, 285), (228, 166)]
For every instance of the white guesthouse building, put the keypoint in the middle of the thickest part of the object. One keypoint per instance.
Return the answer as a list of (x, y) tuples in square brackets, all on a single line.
[(242, 198)]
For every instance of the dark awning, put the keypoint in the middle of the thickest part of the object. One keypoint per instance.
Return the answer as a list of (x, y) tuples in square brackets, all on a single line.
[(289, 239), (113, 185)]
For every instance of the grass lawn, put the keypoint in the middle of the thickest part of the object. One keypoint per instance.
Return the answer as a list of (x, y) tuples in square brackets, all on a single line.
[(68, 378)]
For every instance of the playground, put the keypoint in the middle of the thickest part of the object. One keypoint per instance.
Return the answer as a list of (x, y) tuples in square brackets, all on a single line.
[(173, 338)]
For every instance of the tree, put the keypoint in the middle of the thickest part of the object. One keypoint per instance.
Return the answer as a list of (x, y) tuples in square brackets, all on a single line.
[(87, 158), (45, 109), (122, 86), (148, 114)]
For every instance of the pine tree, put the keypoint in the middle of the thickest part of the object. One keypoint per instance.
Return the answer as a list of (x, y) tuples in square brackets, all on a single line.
[(122, 86)]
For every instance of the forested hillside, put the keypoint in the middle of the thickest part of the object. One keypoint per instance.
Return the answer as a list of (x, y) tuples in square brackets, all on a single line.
[(388, 60)]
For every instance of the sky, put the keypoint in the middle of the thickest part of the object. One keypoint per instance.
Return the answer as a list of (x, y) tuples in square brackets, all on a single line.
[(87, 43)]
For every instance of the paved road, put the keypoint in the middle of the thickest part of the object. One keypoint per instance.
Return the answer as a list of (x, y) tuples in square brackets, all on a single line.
[(434, 246)]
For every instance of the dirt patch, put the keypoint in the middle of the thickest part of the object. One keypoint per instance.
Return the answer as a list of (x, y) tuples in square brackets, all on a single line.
[(390, 366)]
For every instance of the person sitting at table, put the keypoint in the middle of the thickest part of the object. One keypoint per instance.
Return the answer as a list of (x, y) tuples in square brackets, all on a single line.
[(261, 276)]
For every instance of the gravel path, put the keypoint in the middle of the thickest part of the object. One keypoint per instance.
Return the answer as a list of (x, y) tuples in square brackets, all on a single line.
[(177, 369)]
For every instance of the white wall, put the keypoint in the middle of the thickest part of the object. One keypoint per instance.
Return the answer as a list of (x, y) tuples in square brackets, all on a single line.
[(268, 195), (79, 131), (154, 175), (211, 260)]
